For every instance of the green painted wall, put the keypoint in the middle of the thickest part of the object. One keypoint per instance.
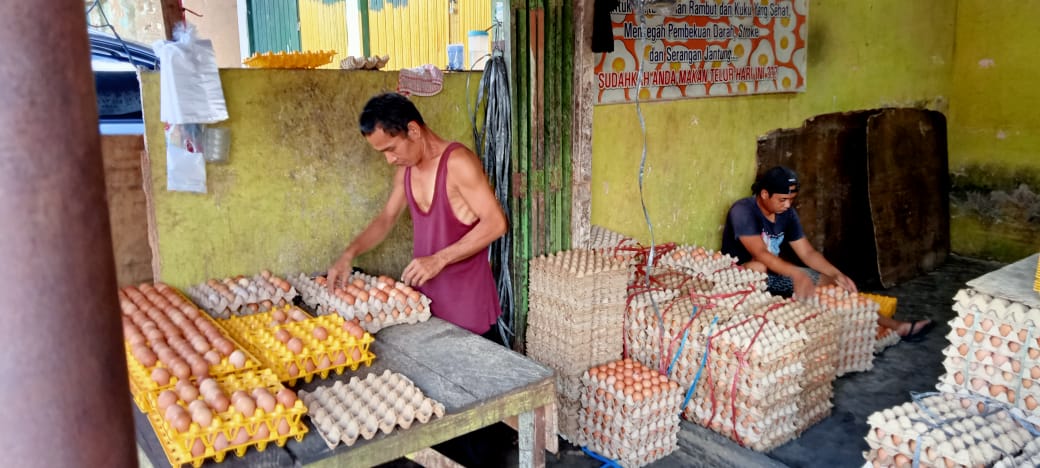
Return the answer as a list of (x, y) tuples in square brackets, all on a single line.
[(701, 152), (301, 180), (995, 130)]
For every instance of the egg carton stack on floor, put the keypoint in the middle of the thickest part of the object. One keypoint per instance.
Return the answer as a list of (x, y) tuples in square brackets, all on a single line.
[(750, 387), (629, 412), (858, 335), (946, 430), (575, 314), (994, 351), (821, 328)]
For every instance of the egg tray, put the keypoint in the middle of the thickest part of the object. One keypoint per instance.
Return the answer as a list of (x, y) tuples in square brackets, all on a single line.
[(228, 424), (142, 385), (257, 334), (406, 306), (251, 295), (362, 408), (944, 430)]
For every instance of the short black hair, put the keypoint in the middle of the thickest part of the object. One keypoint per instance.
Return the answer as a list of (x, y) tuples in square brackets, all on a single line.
[(391, 112), (779, 179)]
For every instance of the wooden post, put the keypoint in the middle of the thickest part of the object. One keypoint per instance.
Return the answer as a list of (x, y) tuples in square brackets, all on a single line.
[(581, 125), (66, 395), (172, 13)]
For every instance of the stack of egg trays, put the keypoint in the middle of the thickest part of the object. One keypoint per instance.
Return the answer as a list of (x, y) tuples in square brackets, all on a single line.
[(945, 430), (858, 336), (373, 315), (568, 405), (250, 295), (994, 350), (142, 386), (1030, 456), (339, 351), (820, 327), (576, 310), (362, 408), (635, 432), (749, 389), (178, 446)]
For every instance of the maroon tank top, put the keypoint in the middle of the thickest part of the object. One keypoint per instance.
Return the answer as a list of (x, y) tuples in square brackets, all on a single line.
[(464, 292)]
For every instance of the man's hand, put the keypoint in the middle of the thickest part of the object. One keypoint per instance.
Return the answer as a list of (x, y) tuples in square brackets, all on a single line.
[(339, 272), (845, 282), (803, 285), (422, 269)]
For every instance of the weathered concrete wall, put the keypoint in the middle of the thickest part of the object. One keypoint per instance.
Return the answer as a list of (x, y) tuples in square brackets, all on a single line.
[(995, 131), (701, 152), (301, 180)]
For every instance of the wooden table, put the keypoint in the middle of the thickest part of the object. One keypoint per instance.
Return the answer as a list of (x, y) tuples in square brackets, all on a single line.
[(480, 383)]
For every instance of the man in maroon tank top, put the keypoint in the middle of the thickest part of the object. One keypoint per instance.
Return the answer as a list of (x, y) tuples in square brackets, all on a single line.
[(455, 215)]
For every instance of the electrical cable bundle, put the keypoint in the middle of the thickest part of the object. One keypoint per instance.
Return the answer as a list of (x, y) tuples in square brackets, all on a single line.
[(492, 142)]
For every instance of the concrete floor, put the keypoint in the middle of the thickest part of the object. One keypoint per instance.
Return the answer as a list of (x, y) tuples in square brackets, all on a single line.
[(836, 441)]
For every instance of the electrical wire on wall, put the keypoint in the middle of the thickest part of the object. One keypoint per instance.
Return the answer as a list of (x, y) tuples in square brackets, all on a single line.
[(492, 141)]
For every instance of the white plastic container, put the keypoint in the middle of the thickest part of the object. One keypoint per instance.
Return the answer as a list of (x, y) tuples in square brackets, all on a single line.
[(479, 49)]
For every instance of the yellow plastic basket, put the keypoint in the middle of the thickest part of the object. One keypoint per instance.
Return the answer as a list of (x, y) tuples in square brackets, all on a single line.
[(887, 303), (257, 333), (261, 427)]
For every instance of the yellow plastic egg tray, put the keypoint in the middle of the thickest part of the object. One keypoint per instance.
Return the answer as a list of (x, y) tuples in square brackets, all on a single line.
[(257, 333), (887, 303), (142, 386), (309, 59), (178, 445)]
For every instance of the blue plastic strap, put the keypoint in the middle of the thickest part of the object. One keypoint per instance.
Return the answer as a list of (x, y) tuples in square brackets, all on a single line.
[(704, 360), (607, 462)]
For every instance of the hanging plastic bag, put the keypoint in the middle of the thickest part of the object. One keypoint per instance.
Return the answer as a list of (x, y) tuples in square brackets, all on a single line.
[(189, 79), (185, 166)]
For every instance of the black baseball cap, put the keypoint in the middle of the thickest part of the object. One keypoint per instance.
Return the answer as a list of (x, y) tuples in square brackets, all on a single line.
[(779, 179)]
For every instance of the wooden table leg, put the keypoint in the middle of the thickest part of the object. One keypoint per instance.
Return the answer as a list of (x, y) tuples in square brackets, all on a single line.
[(532, 438)]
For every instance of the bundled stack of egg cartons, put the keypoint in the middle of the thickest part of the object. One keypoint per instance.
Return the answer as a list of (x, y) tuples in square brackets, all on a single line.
[(612, 244), (994, 350), (194, 422), (629, 413), (363, 407), (858, 316), (241, 295), (575, 314), (820, 360), (373, 302), (750, 388), (945, 430)]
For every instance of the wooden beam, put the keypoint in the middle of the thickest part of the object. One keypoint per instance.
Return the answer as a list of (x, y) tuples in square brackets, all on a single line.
[(172, 13)]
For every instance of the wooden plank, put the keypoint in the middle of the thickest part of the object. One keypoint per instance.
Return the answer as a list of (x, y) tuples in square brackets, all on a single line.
[(127, 208), (386, 447), (908, 180), (583, 97), (484, 369), (1013, 282)]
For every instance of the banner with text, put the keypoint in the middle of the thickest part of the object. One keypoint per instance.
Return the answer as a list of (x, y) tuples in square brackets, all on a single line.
[(703, 48)]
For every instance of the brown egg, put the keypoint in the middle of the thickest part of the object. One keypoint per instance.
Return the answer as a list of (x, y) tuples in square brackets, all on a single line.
[(286, 397), (165, 399), (186, 391), (245, 405), (237, 359), (161, 376)]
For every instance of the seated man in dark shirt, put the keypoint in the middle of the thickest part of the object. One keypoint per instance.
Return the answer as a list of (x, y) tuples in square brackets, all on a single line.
[(758, 225)]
